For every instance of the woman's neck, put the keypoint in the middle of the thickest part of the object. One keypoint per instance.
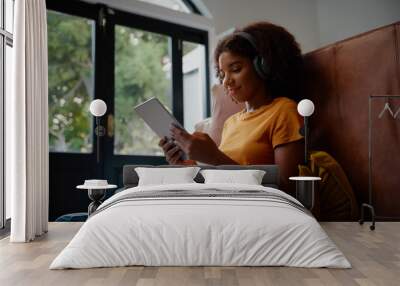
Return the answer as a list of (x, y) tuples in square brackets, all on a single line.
[(257, 101)]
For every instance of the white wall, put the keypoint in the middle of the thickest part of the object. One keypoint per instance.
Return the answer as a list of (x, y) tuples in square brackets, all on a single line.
[(298, 16), (341, 19), (314, 23), (194, 87)]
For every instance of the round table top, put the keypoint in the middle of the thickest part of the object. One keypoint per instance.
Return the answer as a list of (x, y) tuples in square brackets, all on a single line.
[(86, 187), (305, 178)]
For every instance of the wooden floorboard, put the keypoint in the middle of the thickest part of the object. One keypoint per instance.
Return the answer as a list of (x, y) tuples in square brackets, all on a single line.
[(374, 255)]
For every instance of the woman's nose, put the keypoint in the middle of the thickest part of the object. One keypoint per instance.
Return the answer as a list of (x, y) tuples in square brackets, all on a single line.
[(227, 81)]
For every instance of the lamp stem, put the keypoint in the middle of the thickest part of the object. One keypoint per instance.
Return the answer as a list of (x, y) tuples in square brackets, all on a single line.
[(98, 138), (305, 140)]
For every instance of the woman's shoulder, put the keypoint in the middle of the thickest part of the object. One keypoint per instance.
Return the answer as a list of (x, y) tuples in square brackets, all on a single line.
[(279, 105), (285, 102), (285, 107)]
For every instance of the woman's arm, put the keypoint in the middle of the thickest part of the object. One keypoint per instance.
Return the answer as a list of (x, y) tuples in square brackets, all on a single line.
[(200, 147), (288, 157)]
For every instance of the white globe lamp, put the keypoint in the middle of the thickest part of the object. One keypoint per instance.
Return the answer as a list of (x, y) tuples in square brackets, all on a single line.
[(305, 108), (98, 108)]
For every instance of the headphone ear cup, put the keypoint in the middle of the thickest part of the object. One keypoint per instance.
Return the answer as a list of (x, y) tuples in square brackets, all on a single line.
[(261, 67)]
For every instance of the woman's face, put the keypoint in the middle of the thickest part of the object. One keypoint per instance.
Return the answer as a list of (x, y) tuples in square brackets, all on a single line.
[(239, 77)]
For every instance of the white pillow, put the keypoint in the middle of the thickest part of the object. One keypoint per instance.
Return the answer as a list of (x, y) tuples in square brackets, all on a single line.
[(248, 177), (164, 176)]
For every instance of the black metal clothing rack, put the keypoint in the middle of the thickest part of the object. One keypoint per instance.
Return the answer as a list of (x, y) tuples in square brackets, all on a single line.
[(369, 204)]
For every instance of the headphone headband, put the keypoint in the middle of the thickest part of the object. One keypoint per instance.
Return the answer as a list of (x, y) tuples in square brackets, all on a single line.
[(249, 38), (260, 65)]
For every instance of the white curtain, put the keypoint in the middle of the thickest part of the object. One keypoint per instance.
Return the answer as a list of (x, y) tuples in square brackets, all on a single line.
[(27, 124)]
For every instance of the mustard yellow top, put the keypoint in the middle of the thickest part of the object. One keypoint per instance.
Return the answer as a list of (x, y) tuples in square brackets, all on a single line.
[(249, 138)]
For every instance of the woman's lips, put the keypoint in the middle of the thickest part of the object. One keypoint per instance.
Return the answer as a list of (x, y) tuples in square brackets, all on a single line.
[(232, 91)]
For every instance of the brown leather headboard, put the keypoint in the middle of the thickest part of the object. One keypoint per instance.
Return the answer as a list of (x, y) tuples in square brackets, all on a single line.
[(340, 79)]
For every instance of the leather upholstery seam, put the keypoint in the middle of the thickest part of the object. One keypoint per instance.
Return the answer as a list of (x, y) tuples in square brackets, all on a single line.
[(396, 53), (335, 79)]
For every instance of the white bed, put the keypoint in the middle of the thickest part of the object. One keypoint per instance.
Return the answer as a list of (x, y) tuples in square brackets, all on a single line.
[(206, 230)]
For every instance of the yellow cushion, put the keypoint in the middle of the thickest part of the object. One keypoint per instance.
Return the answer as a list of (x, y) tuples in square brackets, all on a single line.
[(337, 199)]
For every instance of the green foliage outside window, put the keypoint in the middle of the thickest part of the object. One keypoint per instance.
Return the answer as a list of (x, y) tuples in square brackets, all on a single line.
[(142, 70), (70, 82)]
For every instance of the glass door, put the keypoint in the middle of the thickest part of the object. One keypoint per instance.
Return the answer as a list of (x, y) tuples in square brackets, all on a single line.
[(123, 59), (152, 58), (71, 76), (143, 69), (71, 82)]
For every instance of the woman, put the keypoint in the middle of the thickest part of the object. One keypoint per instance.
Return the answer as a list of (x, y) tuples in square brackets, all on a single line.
[(260, 65)]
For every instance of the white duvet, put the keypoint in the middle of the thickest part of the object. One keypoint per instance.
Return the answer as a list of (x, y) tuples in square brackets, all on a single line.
[(200, 231)]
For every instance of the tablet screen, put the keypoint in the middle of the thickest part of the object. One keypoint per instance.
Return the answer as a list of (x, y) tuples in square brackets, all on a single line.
[(157, 117)]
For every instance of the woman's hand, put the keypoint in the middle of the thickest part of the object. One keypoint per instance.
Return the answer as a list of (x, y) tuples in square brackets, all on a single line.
[(199, 146), (173, 154)]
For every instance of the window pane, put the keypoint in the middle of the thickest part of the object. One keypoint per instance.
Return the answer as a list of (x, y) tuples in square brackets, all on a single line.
[(2, 136), (142, 71), (9, 9), (1, 15), (71, 72), (8, 82), (176, 5), (194, 84)]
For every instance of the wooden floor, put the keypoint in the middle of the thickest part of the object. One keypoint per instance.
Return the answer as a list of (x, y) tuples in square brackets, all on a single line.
[(374, 255)]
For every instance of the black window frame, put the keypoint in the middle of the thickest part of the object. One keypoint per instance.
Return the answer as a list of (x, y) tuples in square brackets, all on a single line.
[(192, 7), (178, 34), (104, 63), (67, 169)]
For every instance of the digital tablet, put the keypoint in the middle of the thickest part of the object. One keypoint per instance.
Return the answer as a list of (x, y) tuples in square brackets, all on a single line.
[(157, 117)]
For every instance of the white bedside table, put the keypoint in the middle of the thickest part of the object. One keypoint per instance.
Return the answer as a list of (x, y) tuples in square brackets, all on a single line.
[(305, 189), (96, 194)]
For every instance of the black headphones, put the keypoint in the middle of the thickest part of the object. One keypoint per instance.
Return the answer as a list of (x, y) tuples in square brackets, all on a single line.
[(260, 65)]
